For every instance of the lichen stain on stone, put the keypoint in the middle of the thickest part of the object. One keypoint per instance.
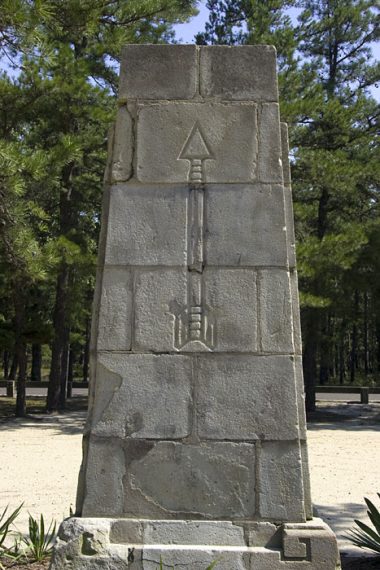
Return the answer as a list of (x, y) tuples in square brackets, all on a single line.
[(134, 424)]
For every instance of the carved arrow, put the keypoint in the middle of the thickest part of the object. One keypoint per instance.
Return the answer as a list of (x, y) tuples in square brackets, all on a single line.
[(196, 150)]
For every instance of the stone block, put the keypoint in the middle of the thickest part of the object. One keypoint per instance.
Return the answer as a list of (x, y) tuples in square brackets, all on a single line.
[(297, 337), (178, 532), (147, 226), (276, 330), (152, 399), (115, 313), (246, 397), (122, 153), (232, 300), (269, 164), (285, 153), (289, 217), (280, 488), (300, 396), (192, 559), (245, 225), (159, 296), (105, 470), (306, 480), (175, 480), (310, 545), (263, 534), (238, 73), (158, 72), (223, 136), (86, 544)]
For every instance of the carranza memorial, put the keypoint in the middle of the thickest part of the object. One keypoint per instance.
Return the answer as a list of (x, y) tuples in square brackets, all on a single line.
[(195, 444)]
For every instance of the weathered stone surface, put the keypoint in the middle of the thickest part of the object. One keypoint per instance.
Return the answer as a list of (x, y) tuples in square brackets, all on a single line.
[(290, 237), (285, 154), (213, 533), (228, 134), (269, 164), (235, 394), (300, 396), (312, 542), (280, 488), (276, 331), (158, 72), (105, 469), (86, 544), (196, 400), (229, 294), (147, 226), (238, 73), (263, 534), (115, 314), (245, 225), (232, 297), (122, 153), (153, 399), (173, 480), (193, 559), (159, 296), (306, 481), (295, 313)]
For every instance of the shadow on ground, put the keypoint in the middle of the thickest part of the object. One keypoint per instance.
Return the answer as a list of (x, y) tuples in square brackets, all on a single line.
[(348, 416), (67, 423)]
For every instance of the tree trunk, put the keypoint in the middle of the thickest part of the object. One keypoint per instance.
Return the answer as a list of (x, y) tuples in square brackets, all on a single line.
[(86, 352), (60, 316), (310, 347), (59, 339), (354, 340), (20, 348), (35, 375), (70, 374), (6, 364), (324, 353), (64, 373), (342, 370), (365, 335), (14, 366)]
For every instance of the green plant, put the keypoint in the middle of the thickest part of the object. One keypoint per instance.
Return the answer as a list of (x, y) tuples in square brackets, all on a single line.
[(39, 543), (365, 536), (5, 523), (13, 553)]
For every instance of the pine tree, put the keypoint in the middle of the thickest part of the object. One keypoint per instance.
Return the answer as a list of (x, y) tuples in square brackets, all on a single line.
[(68, 74), (325, 70)]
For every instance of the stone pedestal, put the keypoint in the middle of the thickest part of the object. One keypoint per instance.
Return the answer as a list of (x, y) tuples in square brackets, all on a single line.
[(91, 543), (195, 444)]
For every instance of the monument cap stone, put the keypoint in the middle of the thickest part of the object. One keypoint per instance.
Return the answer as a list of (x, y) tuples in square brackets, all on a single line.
[(239, 73), (158, 72)]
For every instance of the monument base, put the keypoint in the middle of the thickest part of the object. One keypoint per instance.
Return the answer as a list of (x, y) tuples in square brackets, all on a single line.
[(120, 544)]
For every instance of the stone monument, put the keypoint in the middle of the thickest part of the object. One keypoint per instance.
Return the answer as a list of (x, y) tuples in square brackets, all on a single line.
[(195, 444)]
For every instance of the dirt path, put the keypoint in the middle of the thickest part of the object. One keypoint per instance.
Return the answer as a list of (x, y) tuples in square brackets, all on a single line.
[(40, 460)]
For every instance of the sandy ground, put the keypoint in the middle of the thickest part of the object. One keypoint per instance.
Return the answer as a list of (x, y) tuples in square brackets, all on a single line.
[(40, 458)]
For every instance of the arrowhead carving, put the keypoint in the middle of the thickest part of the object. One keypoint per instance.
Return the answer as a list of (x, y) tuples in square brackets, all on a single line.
[(195, 147)]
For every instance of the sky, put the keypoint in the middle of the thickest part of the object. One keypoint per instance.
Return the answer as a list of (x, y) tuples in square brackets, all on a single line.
[(185, 34)]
